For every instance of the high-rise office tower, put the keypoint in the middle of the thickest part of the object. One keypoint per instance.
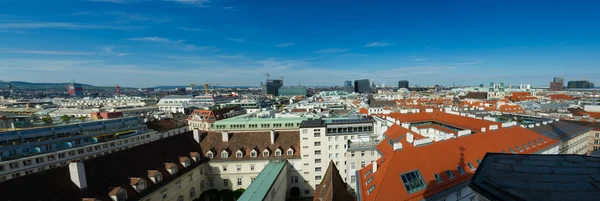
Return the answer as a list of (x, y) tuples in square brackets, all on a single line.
[(403, 84), (362, 86)]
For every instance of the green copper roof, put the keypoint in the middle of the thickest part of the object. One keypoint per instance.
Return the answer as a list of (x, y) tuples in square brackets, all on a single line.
[(259, 189)]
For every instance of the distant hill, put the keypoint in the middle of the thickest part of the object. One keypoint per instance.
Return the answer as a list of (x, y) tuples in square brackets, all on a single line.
[(200, 87), (30, 85)]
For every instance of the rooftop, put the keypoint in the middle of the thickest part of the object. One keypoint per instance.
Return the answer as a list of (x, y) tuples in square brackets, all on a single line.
[(538, 177), (265, 180), (561, 130), (332, 187)]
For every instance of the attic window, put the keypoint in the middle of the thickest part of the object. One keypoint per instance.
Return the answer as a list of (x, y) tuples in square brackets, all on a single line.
[(224, 154), (209, 155), (542, 140), (290, 152), (196, 156), (519, 148), (438, 178), (171, 168), (471, 166), (512, 151), (118, 194), (266, 153), (277, 152), (531, 144), (461, 170), (536, 142), (253, 153), (478, 161), (239, 154), (449, 173), (185, 162), (141, 186), (526, 147)]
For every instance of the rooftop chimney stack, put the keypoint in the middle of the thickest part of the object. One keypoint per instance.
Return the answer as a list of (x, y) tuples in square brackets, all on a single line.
[(197, 135), (225, 136), (272, 137), (374, 166), (77, 173)]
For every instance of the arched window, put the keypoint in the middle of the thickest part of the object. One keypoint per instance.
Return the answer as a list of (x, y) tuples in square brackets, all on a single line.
[(192, 193), (202, 185)]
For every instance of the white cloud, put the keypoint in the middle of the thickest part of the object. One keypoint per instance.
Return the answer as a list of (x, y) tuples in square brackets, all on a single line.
[(198, 3), (331, 50), (192, 29), (416, 59), (155, 39), (110, 50), (356, 55), (230, 8), (46, 52), (238, 56), (174, 44), (60, 25), (285, 44), (115, 1), (379, 44)]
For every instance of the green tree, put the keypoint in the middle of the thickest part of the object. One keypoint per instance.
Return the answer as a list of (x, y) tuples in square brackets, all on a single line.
[(65, 119), (82, 118), (238, 193), (226, 195), (47, 120)]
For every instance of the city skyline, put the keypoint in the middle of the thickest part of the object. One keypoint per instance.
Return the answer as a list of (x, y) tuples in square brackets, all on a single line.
[(151, 43)]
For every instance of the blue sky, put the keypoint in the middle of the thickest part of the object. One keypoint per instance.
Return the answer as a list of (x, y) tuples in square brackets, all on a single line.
[(141, 43)]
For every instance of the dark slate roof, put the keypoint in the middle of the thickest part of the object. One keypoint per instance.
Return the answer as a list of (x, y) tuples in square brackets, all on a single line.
[(332, 187), (561, 130), (534, 177), (106, 172), (163, 125), (594, 125), (311, 123), (476, 95), (247, 141)]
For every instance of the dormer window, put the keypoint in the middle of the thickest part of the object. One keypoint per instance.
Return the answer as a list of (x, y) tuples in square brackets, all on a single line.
[(138, 184), (155, 176), (290, 152), (224, 154), (209, 154), (239, 154), (171, 168), (278, 152), (118, 194), (266, 153), (185, 161), (253, 154), (195, 156)]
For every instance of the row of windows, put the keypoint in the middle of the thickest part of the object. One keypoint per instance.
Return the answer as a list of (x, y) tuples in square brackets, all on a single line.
[(243, 126), (253, 153)]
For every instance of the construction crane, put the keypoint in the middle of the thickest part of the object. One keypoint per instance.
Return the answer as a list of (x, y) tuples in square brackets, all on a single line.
[(267, 74)]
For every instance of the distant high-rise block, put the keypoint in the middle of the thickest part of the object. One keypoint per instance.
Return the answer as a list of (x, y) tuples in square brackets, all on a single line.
[(559, 79), (581, 84), (75, 89), (348, 84), (556, 86), (362, 86), (273, 87), (403, 84)]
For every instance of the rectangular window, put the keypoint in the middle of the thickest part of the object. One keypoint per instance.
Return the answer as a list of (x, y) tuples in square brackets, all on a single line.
[(239, 181), (371, 189), (478, 161), (318, 169), (372, 152), (362, 164), (369, 180), (225, 182), (318, 178), (224, 168), (294, 179), (164, 194), (317, 144), (519, 148), (317, 135), (252, 167), (178, 184), (317, 152), (252, 179), (471, 166), (318, 160), (413, 181), (353, 165), (526, 147), (353, 179), (238, 168)]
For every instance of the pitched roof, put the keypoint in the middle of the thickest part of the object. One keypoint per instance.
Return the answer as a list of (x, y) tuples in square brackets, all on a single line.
[(437, 158), (106, 172), (537, 177), (249, 140), (332, 187), (561, 130), (162, 125)]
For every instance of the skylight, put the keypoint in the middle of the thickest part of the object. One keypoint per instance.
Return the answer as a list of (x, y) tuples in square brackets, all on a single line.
[(471, 165), (512, 150), (536, 142), (526, 147), (519, 148), (413, 181), (449, 173), (438, 178), (532, 145), (542, 140), (461, 170), (478, 161)]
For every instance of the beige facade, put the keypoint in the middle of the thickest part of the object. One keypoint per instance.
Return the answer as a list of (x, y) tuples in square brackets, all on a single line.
[(185, 188), (594, 140), (577, 145)]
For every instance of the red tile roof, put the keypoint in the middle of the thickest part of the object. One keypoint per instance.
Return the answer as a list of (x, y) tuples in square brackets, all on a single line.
[(560, 97), (438, 157), (444, 118)]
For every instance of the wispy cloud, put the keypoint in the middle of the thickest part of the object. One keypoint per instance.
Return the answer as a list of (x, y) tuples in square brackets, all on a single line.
[(238, 56), (174, 44), (356, 55), (416, 59), (191, 29), (81, 13), (274, 63), (110, 50), (562, 42), (46, 52), (198, 3), (330, 51), (285, 44), (60, 25), (230, 8), (238, 40), (379, 44), (123, 17), (432, 48)]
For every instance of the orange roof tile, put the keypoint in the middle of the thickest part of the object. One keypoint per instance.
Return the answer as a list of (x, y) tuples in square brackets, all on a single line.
[(363, 111), (560, 97), (438, 157)]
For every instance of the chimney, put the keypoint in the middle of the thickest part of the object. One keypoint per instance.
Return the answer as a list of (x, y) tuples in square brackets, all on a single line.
[(272, 137), (225, 136), (197, 135), (77, 173), (483, 129), (374, 166), (410, 137)]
